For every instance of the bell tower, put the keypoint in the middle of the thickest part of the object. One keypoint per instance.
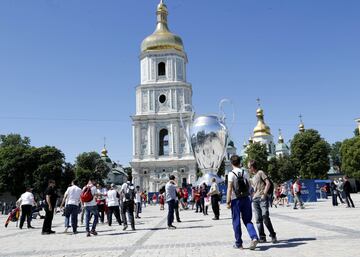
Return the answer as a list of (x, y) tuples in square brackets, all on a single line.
[(159, 143)]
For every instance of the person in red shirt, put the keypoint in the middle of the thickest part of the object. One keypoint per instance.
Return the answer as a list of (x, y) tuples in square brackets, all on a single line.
[(185, 197), (154, 199), (161, 201), (197, 200)]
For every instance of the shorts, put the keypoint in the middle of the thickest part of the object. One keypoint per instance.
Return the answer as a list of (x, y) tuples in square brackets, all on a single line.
[(283, 196)]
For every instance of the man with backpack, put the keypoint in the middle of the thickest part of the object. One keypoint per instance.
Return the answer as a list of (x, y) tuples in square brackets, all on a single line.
[(128, 195), (87, 197), (238, 199), (261, 186)]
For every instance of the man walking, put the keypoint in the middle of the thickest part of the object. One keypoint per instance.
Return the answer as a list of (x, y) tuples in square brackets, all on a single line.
[(113, 198), (238, 199), (137, 202), (215, 198), (26, 201), (89, 201), (170, 190), (71, 201), (297, 194), (128, 195), (50, 205), (347, 190), (261, 186)]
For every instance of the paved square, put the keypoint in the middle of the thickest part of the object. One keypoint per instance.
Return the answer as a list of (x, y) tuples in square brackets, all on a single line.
[(318, 230)]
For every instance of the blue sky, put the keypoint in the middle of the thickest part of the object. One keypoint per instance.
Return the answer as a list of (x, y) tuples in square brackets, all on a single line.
[(68, 68)]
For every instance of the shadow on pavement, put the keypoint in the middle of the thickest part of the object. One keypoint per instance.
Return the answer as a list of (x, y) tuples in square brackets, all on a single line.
[(189, 221), (116, 234), (290, 243)]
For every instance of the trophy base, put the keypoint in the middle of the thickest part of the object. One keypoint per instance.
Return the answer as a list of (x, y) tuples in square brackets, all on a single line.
[(207, 179)]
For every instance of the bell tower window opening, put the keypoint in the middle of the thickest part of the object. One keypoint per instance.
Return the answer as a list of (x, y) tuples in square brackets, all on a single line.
[(161, 69), (163, 142)]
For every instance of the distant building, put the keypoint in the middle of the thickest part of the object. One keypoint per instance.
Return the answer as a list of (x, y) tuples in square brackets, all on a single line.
[(281, 149), (159, 142), (117, 175)]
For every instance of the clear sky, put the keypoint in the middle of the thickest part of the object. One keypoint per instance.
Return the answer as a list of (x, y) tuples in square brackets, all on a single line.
[(68, 68)]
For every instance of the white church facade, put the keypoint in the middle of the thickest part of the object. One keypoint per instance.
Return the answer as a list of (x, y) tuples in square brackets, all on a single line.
[(159, 143)]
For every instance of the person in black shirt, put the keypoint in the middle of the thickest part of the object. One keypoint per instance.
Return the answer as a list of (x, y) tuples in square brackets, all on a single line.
[(50, 205), (347, 190)]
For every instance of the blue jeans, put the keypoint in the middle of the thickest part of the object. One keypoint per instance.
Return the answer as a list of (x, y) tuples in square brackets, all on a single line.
[(91, 210), (241, 207), (262, 216), (73, 212), (170, 217)]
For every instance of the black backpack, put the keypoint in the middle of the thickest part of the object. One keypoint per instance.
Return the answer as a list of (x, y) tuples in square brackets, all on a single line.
[(130, 192), (241, 186)]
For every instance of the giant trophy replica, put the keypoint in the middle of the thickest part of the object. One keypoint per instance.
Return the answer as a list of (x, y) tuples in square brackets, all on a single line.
[(208, 137)]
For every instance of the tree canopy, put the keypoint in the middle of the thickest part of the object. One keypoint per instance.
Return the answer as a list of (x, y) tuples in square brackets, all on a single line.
[(89, 165), (281, 169), (257, 151), (350, 153), (310, 154), (22, 165)]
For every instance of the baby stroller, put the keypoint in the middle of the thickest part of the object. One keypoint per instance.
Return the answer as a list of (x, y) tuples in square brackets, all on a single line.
[(13, 216)]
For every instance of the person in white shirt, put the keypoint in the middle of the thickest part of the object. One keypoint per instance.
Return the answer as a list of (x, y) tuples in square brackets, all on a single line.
[(91, 208), (128, 195), (26, 201), (113, 198), (100, 201), (215, 198), (238, 200), (71, 200), (137, 202), (171, 197)]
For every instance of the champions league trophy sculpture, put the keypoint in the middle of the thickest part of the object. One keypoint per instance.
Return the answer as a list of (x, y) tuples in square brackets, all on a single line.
[(208, 137)]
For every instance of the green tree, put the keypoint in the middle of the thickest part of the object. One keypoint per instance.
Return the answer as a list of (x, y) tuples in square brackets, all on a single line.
[(14, 140), (350, 152), (281, 169), (90, 165), (310, 154), (50, 161), (16, 164), (335, 155), (257, 151), (67, 175)]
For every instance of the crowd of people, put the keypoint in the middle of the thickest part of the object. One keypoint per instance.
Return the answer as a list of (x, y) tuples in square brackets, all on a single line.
[(92, 202), (244, 197)]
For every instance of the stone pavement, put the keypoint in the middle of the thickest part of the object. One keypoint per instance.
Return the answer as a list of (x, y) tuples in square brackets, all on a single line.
[(318, 230)]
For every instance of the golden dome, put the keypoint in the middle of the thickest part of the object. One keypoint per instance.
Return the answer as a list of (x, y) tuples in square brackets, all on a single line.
[(162, 38), (301, 127), (261, 128), (104, 152)]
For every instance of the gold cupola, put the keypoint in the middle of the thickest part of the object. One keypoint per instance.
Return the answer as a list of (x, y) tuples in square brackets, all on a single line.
[(261, 128), (162, 38), (104, 152), (301, 125)]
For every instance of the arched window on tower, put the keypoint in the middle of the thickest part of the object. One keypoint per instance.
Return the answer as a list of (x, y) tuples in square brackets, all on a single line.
[(163, 142), (161, 69)]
